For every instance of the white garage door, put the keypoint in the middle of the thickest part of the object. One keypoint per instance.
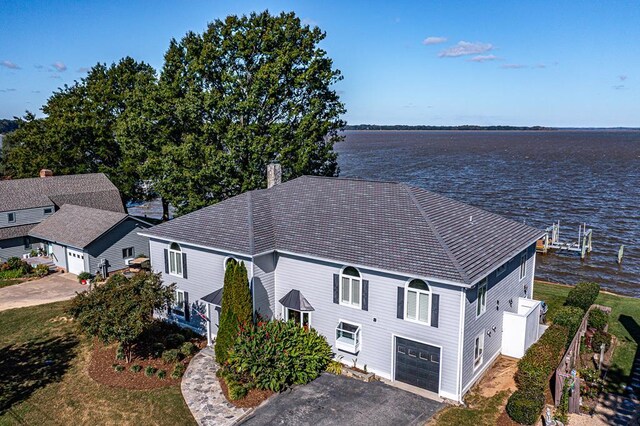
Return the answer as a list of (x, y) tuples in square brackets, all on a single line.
[(75, 260)]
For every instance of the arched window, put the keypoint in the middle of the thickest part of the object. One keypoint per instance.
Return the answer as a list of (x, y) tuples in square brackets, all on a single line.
[(175, 259), (350, 287), (418, 300)]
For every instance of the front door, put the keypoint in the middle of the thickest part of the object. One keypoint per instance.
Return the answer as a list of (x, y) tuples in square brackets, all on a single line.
[(75, 261), (417, 364)]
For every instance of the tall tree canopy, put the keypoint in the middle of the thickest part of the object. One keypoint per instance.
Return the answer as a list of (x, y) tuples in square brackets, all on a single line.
[(88, 128), (248, 91)]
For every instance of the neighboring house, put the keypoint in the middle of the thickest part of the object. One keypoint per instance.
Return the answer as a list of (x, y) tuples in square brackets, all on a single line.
[(412, 284), (80, 239), (26, 202)]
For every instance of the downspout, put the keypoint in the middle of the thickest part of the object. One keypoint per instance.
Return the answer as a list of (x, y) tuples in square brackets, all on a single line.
[(461, 343)]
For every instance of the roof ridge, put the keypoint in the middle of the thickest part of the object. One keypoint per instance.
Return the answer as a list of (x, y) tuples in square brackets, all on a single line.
[(456, 264), (252, 242), (351, 178)]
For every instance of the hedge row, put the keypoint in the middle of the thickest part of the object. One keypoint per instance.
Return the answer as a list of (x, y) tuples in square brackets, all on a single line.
[(583, 295), (534, 370), (570, 317)]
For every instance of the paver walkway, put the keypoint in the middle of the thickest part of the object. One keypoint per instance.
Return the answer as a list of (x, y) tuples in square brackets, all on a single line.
[(203, 395), (52, 288)]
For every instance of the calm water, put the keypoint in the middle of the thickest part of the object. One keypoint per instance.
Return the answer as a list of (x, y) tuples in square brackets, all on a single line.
[(536, 177)]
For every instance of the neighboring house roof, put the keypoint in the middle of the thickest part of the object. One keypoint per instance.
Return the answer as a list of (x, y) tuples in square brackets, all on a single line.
[(384, 225), (89, 190), (77, 226), (15, 231)]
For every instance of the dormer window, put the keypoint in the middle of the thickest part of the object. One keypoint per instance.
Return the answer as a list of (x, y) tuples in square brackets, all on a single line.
[(11, 217), (350, 287)]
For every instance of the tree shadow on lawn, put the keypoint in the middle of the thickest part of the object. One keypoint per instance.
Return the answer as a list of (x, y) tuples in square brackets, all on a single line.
[(27, 367)]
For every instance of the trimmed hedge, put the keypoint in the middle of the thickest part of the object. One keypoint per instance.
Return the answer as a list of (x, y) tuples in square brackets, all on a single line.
[(600, 337), (583, 295), (570, 317), (598, 319), (524, 408), (541, 359)]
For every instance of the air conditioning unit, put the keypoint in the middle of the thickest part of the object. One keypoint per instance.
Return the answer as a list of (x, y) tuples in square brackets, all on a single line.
[(128, 261)]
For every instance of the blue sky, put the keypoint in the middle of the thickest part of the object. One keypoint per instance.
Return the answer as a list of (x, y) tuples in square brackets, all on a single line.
[(553, 63)]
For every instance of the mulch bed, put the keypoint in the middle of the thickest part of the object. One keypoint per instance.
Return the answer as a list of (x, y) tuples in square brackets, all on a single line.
[(505, 420), (101, 370), (254, 398)]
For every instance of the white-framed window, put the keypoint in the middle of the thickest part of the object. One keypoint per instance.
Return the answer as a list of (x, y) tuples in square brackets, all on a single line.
[(523, 266), (11, 217), (501, 270), (175, 259), (350, 287), (48, 210), (481, 302), (418, 302), (178, 305), (302, 318), (348, 337), (127, 252), (478, 350)]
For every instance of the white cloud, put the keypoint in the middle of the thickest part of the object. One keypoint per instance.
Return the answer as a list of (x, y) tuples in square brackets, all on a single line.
[(310, 22), (10, 65), (483, 58), (433, 40), (60, 66), (83, 69), (466, 48), (513, 66)]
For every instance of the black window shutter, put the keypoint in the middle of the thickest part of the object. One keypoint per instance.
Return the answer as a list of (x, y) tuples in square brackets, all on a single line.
[(435, 309), (365, 295), (400, 302), (166, 261), (336, 288), (187, 307), (184, 265)]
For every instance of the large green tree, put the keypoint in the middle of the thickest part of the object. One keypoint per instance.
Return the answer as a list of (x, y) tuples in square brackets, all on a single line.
[(248, 91), (236, 309), (91, 126)]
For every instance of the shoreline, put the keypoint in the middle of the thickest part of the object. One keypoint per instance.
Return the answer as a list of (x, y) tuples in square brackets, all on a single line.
[(571, 286)]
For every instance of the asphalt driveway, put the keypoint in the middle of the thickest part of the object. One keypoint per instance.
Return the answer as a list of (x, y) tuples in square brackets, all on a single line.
[(337, 400), (52, 288)]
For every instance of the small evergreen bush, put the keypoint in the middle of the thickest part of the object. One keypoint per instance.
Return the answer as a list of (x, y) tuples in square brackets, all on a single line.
[(120, 353), (136, 368), (583, 295), (237, 390), (171, 356), (598, 319), (162, 374), (600, 337), (570, 317), (187, 349), (178, 371), (119, 368), (525, 408), (150, 371)]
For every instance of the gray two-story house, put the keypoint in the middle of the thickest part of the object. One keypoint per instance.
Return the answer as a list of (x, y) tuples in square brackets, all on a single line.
[(412, 284), (79, 221)]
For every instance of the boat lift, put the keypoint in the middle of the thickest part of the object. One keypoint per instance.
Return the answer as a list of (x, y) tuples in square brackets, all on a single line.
[(551, 241)]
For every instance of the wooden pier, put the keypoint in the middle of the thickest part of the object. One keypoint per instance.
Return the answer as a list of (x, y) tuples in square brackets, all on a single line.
[(551, 241)]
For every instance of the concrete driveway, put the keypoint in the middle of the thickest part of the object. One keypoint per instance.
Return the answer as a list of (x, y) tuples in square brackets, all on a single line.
[(52, 288), (339, 400)]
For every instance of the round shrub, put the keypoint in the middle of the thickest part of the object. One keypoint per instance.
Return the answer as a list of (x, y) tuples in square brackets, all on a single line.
[(161, 374), (171, 356), (41, 271), (17, 264), (600, 337), (583, 295), (174, 340), (525, 408), (150, 371), (237, 390), (570, 317), (136, 368), (598, 319), (84, 276), (178, 371), (188, 349), (119, 368)]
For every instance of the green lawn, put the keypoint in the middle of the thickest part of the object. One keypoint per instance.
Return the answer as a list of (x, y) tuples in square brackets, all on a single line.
[(44, 380), (7, 283), (623, 324)]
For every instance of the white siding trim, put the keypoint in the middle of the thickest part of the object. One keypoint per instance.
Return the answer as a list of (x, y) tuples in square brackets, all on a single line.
[(463, 307)]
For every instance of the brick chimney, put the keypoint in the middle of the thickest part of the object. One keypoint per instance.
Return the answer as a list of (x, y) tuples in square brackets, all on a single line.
[(274, 174), (46, 173)]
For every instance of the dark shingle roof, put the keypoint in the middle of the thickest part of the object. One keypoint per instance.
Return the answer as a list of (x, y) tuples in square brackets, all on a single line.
[(15, 231), (76, 226), (383, 225), (89, 190)]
